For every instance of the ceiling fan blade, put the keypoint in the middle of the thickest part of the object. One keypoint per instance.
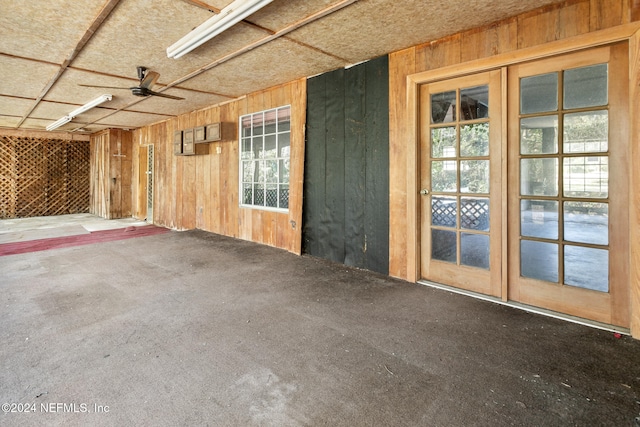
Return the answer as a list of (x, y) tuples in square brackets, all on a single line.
[(164, 95), (150, 78), (105, 87)]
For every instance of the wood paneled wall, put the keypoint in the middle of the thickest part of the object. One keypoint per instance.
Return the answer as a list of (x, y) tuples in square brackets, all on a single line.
[(111, 171), (634, 203), (201, 191), (557, 22)]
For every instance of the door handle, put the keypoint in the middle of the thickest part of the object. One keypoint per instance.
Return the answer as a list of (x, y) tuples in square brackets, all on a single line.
[(424, 191)]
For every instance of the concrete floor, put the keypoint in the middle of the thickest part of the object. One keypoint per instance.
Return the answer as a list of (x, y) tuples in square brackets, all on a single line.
[(191, 328), (25, 229)]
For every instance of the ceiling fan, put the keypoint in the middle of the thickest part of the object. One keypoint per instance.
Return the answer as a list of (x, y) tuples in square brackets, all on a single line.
[(147, 80)]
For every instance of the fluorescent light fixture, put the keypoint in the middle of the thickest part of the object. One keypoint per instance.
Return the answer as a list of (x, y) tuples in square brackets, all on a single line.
[(61, 121), (89, 105), (86, 107), (235, 12)]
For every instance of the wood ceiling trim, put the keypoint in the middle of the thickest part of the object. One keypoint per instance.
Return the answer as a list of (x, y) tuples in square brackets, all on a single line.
[(298, 42), (22, 133), (203, 5), (137, 82), (301, 23), (24, 58), (266, 30), (281, 33), (102, 16)]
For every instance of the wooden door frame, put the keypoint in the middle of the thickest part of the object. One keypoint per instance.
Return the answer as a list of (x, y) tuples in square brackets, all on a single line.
[(470, 278), (141, 202), (576, 301), (629, 32)]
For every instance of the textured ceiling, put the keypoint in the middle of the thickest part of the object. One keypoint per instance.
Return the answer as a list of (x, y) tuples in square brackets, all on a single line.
[(48, 48)]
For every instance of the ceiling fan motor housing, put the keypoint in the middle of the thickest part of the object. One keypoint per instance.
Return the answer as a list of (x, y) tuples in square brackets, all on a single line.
[(140, 91)]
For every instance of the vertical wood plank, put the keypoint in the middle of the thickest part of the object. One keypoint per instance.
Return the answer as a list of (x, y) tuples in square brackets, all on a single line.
[(488, 41), (188, 183), (141, 188), (606, 14), (554, 22), (537, 27), (93, 174), (574, 20), (634, 10), (103, 175), (634, 202), (254, 104), (446, 51), (620, 195), (231, 190), (210, 172), (245, 219), (298, 100), (201, 159), (114, 180), (280, 96), (215, 174), (177, 187), (126, 171), (401, 65)]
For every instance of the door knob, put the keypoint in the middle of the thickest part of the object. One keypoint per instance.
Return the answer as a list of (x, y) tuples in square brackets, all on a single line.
[(424, 191)]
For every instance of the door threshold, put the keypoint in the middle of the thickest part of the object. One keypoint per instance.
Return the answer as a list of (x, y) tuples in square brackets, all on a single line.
[(529, 308)]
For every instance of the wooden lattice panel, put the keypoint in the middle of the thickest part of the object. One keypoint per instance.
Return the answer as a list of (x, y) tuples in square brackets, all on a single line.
[(77, 163), (7, 178), (474, 213), (40, 177)]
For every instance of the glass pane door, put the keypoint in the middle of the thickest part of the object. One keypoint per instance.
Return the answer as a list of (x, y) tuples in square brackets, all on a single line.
[(460, 177), (564, 177), (461, 165), (563, 207)]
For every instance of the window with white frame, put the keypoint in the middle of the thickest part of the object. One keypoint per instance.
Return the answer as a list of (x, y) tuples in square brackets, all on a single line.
[(265, 144)]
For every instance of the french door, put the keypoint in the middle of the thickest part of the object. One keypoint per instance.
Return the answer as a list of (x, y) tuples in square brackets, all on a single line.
[(568, 163), (530, 204), (460, 145)]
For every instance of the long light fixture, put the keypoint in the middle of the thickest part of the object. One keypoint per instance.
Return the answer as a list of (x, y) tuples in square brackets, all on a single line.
[(61, 121), (86, 107), (235, 12)]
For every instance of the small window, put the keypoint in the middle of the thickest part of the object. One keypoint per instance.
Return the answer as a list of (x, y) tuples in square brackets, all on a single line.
[(265, 140)]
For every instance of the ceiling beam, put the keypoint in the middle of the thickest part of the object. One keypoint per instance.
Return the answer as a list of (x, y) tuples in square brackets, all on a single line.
[(97, 22), (292, 40), (272, 36), (301, 23), (203, 5)]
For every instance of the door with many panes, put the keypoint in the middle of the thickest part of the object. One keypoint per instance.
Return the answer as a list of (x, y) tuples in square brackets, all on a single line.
[(460, 146), (530, 204)]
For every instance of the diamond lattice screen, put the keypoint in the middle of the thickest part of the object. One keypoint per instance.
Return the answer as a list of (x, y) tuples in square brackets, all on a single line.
[(42, 177)]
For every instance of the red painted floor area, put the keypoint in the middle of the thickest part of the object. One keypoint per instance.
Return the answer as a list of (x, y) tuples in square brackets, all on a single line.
[(78, 240)]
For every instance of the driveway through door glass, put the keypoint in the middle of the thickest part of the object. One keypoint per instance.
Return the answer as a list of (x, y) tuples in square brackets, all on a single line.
[(568, 219), (460, 180)]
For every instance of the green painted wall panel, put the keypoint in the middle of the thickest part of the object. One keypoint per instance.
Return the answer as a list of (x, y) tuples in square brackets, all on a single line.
[(346, 190)]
